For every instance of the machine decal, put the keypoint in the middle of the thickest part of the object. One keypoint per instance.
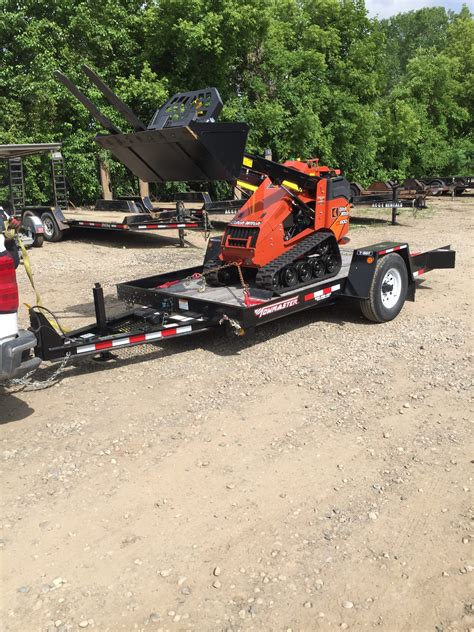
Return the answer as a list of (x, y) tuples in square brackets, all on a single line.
[(244, 223), (276, 307)]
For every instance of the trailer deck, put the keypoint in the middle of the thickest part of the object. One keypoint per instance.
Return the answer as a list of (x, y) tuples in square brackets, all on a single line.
[(231, 295), (125, 215)]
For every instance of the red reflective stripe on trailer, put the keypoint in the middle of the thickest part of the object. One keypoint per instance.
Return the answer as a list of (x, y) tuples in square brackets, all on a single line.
[(107, 344), (169, 332), (394, 249), (418, 272), (320, 293), (137, 338)]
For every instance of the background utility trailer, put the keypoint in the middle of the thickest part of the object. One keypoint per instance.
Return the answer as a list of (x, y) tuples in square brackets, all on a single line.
[(31, 230), (128, 213), (380, 277)]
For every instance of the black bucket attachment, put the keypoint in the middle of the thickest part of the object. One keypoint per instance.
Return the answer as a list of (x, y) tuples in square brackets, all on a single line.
[(182, 143), (197, 152)]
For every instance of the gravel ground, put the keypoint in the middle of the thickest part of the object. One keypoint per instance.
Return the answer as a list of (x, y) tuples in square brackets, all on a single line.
[(317, 476)]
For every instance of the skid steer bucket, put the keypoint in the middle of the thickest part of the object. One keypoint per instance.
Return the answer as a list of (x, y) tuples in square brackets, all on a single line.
[(197, 152), (182, 142)]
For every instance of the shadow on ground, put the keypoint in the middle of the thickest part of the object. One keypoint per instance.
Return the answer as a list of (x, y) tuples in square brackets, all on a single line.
[(130, 240), (12, 408)]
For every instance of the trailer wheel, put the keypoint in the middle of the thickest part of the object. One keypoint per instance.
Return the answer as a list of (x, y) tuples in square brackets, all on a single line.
[(52, 232), (388, 290), (27, 221), (38, 241)]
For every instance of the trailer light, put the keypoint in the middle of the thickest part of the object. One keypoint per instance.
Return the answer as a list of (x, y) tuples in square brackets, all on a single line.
[(370, 259)]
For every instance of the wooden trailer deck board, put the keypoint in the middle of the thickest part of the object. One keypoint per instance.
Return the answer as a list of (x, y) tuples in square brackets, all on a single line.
[(90, 215)]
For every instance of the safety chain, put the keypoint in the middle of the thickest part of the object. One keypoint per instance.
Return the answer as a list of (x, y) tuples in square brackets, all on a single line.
[(201, 276), (30, 385)]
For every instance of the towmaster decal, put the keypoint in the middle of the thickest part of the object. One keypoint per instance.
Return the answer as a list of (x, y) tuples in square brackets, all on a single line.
[(276, 307)]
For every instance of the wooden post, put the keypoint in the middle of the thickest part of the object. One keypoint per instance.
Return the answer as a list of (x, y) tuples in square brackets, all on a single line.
[(105, 181), (144, 188)]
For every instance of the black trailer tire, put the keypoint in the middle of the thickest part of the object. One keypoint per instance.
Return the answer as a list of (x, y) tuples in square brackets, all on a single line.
[(52, 232), (38, 238), (388, 290), (38, 241)]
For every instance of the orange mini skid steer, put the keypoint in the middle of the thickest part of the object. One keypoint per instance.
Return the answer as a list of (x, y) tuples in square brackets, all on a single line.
[(287, 233)]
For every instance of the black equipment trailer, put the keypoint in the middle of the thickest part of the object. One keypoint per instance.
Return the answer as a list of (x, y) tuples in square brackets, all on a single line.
[(380, 277), (128, 214)]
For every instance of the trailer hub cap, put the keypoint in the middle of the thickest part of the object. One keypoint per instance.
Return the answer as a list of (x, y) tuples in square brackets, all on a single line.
[(391, 288), (48, 227)]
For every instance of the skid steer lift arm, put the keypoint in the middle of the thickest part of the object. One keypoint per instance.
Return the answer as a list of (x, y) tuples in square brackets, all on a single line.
[(289, 179), (279, 174)]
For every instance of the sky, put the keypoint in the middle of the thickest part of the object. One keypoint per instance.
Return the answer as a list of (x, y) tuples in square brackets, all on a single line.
[(386, 8)]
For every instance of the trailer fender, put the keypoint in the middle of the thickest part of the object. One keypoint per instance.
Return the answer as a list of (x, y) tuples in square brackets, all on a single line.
[(59, 217), (33, 228), (363, 265)]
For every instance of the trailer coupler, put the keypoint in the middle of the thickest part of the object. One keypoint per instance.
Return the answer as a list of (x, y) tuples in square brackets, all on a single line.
[(142, 325)]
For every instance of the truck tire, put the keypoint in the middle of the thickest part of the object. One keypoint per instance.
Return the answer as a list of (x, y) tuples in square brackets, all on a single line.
[(52, 232), (388, 290)]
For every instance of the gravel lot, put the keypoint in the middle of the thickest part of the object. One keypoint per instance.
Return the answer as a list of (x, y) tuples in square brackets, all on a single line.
[(317, 476)]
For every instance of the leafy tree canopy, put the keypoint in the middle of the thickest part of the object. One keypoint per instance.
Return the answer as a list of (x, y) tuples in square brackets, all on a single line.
[(390, 98)]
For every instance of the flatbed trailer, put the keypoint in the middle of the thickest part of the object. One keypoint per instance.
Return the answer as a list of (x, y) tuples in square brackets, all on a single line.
[(179, 303), (179, 216)]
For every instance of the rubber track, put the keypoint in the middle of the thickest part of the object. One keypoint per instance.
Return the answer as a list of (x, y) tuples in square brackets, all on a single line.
[(266, 273), (212, 278)]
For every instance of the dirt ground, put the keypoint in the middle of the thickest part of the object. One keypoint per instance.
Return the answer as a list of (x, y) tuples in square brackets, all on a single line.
[(317, 476)]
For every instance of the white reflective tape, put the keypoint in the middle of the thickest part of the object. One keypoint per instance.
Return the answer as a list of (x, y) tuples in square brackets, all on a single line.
[(153, 336), (120, 342), (86, 349), (183, 330)]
